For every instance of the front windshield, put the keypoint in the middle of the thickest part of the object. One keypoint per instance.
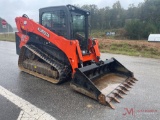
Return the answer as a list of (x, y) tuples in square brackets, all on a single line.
[(78, 26)]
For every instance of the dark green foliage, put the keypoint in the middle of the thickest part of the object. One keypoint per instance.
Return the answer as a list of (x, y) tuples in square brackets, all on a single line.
[(148, 29), (134, 29), (138, 21), (137, 29)]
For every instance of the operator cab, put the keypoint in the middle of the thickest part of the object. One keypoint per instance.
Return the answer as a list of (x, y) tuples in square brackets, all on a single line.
[(68, 21)]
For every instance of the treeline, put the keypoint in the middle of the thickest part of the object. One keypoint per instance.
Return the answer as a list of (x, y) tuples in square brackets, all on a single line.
[(137, 22), (7, 29)]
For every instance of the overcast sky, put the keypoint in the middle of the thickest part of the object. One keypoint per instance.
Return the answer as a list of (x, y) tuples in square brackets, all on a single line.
[(9, 9)]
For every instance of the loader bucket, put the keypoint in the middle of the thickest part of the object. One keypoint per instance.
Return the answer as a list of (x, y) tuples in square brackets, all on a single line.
[(105, 82)]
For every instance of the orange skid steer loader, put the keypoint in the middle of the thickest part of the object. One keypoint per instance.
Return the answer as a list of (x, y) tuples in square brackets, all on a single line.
[(58, 48)]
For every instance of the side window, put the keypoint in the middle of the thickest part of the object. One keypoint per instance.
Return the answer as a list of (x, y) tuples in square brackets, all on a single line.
[(63, 17), (54, 19), (47, 20)]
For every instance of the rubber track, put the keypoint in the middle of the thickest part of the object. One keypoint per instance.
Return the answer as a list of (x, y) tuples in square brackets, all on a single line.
[(63, 70)]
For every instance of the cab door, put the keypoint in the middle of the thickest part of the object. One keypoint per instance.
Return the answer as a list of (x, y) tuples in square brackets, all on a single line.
[(57, 20)]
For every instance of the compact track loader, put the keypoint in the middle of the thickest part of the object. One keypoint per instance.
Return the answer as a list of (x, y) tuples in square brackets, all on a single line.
[(58, 48)]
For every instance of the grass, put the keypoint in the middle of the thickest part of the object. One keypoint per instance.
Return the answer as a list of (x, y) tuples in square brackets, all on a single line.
[(109, 44), (125, 47), (130, 49), (7, 37)]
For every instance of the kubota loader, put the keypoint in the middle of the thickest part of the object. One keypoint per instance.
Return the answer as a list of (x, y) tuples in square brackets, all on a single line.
[(58, 48)]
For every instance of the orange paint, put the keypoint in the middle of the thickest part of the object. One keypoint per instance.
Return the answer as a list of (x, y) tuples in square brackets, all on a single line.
[(69, 47)]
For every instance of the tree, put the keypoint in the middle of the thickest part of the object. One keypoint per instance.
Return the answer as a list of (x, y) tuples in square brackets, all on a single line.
[(94, 13), (143, 19), (134, 29)]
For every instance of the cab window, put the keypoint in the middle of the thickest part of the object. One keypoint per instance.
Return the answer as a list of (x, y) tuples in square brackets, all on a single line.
[(53, 19)]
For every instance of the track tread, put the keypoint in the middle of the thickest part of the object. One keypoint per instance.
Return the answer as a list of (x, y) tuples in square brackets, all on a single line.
[(63, 70)]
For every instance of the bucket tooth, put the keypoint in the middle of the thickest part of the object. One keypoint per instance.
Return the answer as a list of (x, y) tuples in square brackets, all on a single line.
[(121, 91), (110, 105), (124, 88), (115, 99), (119, 95), (127, 85), (134, 79), (130, 83)]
